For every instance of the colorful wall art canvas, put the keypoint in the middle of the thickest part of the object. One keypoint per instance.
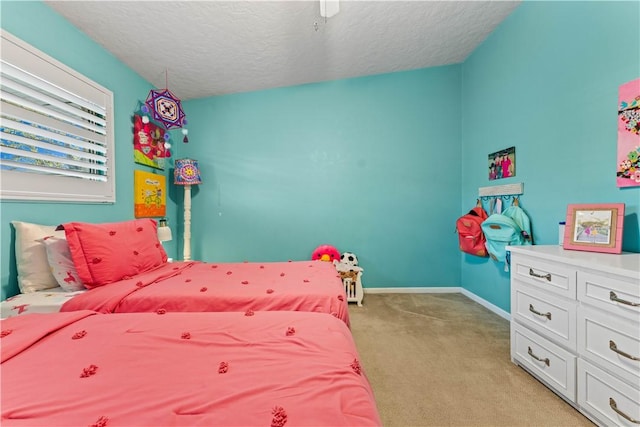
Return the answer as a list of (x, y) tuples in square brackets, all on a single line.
[(502, 164), (628, 174), (150, 194), (149, 143)]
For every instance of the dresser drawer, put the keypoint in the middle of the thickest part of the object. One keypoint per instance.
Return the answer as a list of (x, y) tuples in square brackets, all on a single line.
[(552, 364), (549, 276), (617, 295), (611, 342), (601, 394), (550, 316)]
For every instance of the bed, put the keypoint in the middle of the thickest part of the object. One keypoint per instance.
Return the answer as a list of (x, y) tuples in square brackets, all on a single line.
[(197, 286), (248, 368), (125, 269)]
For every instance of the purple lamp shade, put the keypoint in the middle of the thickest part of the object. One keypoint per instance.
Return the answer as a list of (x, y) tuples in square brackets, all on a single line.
[(186, 172)]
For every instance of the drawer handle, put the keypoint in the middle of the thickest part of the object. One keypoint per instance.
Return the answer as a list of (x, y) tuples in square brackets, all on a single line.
[(614, 406), (540, 276), (614, 297), (534, 311), (614, 347), (546, 360)]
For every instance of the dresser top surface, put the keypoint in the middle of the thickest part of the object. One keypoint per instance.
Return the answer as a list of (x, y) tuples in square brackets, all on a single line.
[(626, 263)]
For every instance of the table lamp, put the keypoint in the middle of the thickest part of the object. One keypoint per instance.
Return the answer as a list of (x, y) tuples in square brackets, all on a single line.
[(186, 173), (164, 231)]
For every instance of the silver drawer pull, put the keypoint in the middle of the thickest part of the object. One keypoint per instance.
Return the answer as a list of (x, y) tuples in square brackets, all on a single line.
[(533, 310), (614, 406), (614, 297), (614, 347), (546, 360), (540, 276)]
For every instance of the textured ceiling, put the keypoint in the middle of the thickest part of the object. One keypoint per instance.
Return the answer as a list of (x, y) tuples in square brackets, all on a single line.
[(210, 48)]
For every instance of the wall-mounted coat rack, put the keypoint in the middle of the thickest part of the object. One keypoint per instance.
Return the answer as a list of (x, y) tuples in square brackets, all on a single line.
[(506, 191)]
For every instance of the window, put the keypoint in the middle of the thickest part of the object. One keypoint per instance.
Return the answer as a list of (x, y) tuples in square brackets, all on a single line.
[(56, 130)]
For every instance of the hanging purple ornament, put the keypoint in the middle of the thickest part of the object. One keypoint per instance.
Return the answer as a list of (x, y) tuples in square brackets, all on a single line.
[(144, 109), (166, 136), (166, 108)]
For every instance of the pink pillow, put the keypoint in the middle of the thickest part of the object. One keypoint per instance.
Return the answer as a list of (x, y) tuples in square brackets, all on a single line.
[(109, 252)]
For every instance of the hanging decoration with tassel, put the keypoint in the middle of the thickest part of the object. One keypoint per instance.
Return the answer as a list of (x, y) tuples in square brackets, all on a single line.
[(166, 109)]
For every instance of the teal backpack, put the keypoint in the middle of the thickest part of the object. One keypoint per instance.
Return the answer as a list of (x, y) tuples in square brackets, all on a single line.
[(510, 228)]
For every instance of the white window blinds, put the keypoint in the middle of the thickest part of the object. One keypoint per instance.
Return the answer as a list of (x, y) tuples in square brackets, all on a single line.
[(56, 130)]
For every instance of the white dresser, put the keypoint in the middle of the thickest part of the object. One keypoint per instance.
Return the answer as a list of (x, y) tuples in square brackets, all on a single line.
[(575, 325)]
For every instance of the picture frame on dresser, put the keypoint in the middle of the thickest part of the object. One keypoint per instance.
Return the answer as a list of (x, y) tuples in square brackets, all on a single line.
[(595, 227)]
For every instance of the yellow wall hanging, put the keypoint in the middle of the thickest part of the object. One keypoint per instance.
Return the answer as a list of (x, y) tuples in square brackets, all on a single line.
[(150, 194)]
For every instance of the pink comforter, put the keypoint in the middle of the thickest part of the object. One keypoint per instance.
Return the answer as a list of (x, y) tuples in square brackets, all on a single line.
[(196, 286), (182, 369)]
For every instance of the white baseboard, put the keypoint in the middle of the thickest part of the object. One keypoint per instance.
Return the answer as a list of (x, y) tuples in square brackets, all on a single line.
[(442, 290), (486, 304)]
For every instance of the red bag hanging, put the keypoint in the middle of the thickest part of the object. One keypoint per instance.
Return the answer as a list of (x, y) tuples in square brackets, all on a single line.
[(470, 235)]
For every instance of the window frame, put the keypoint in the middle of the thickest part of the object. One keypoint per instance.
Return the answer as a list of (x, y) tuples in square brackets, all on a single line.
[(50, 187)]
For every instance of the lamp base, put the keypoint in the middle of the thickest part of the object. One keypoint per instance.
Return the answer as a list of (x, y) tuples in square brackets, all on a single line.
[(186, 251)]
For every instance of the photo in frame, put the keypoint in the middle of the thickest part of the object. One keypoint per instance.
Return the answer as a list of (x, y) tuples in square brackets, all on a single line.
[(150, 194), (594, 227), (502, 164)]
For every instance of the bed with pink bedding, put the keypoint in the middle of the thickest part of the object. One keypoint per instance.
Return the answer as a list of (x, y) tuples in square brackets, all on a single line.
[(122, 267), (250, 368), (313, 286)]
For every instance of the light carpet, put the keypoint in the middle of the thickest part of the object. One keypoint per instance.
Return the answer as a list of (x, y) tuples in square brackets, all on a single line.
[(444, 360)]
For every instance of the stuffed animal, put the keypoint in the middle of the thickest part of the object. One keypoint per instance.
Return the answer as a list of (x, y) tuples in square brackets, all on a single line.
[(347, 266), (325, 253), (349, 258)]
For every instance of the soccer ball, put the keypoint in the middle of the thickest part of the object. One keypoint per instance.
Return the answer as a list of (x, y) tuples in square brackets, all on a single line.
[(349, 258)]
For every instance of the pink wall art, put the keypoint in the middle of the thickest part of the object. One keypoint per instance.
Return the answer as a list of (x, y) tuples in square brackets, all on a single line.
[(628, 174)]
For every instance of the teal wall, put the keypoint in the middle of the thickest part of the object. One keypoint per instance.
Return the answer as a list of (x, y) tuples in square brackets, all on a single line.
[(369, 165), (383, 165), (40, 26), (546, 81)]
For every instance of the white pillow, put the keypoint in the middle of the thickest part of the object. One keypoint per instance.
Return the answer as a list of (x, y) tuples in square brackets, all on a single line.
[(34, 273), (61, 264)]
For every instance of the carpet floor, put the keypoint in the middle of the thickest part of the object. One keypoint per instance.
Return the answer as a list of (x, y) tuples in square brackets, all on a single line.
[(444, 360)]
